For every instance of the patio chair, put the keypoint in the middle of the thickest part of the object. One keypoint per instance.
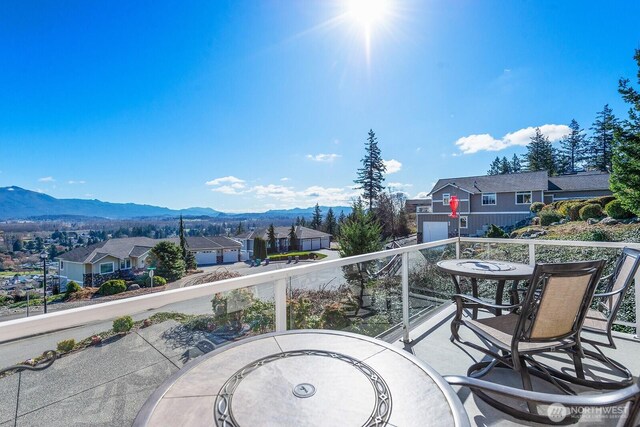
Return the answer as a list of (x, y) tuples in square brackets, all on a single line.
[(601, 316), (548, 320), (628, 398)]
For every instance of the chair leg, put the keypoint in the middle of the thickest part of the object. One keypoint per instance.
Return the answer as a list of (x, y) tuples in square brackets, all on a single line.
[(474, 292), (526, 384), (577, 363)]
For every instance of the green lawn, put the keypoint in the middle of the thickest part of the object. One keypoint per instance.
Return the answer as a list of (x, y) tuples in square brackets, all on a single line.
[(301, 254)]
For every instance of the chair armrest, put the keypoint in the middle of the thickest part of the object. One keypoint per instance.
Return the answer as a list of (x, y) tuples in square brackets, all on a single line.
[(608, 294), (460, 297), (613, 398)]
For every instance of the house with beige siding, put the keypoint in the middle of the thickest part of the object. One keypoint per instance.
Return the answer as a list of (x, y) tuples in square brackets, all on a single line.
[(125, 257), (503, 200)]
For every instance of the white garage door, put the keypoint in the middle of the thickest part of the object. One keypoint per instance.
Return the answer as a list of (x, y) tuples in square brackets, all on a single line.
[(432, 231), (205, 258), (230, 255)]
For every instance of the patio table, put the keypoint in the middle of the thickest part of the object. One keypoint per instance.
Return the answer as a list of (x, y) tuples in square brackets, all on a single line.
[(498, 271), (305, 378)]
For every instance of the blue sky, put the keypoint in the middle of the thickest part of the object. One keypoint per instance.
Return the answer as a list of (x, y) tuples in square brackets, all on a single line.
[(253, 105)]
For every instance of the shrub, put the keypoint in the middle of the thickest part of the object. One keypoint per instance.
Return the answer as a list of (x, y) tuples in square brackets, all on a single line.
[(615, 210), (73, 287), (602, 201), (112, 287), (159, 281), (549, 217), (596, 235), (65, 346), (334, 317), (495, 232), (571, 209), (536, 207), (122, 324), (592, 210), (167, 256)]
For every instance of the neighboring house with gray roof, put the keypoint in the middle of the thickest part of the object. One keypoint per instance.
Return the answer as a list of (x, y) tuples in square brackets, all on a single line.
[(308, 239), (503, 200), (125, 256)]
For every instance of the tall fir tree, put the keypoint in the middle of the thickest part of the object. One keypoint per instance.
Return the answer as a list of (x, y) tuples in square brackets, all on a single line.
[(494, 168), (600, 145), (515, 164), (330, 223), (293, 239), (625, 177), (240, 228), (271, 239), (540, 154), (183, 239), (371, 174), (572, 149), (505, 166), (316, 219)]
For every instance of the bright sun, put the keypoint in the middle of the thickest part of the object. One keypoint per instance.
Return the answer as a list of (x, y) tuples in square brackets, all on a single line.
[(368, 12)]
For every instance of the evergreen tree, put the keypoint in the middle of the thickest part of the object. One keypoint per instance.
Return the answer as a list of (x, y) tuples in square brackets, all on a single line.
[(371, 174), (540, 154), (167, 257), (515, 164), (271, 238), (572, 148), (240, 228), (403, 223), (298, 221), (190, 261), (625, 177), (293, 239), (600, 145), (303, 222), (259, 248), (53, 252), (17, 245), (330, 223), (505, 166), (341, 219), (183, 240), (494, 168), (316, 220)]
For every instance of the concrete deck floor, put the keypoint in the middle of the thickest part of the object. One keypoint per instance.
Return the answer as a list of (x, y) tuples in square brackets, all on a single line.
[(106, 385)]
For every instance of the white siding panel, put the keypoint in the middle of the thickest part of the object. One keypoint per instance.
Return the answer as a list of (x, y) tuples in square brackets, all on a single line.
[(432, 231)]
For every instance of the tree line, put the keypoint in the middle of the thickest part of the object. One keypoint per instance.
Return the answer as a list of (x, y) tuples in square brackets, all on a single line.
[(578, 150)]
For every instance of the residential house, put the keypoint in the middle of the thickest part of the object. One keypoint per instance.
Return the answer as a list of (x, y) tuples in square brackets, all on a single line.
[(413, 206), (116, 258), (308, 239), (503, 200)]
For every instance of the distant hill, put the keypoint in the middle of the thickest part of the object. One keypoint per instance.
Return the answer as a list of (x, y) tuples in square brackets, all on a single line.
[(18, 203)]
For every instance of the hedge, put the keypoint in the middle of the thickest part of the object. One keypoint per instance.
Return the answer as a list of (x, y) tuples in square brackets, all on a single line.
[(536, 207), (112, 287), (592, 210)]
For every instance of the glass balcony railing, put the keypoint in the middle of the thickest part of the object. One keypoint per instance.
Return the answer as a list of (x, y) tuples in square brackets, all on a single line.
[(110, 364)]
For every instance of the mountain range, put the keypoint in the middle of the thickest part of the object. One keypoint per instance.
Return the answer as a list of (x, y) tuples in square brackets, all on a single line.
[(18, 203)]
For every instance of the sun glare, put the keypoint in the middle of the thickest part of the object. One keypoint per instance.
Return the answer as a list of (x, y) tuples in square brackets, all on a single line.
[(368, 12)]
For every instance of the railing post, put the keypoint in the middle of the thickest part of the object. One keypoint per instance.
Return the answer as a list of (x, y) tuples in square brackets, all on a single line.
[(280, 294), (532, 254), (637, 280), (405, 297), (458, 248)]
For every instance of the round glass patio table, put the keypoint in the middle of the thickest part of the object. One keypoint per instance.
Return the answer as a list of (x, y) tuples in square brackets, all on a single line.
[(498, 271), (305, 378)]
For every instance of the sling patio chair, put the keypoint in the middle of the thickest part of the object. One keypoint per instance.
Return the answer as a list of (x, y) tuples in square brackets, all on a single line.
[(548, 320), (565, 409), (600, 318)]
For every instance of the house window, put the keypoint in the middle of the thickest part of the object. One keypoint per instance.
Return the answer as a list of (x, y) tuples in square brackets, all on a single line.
[(61, 265), (445, 199), (463, 222), (106, 268), (125, 264), (488, 199), (523, 198)]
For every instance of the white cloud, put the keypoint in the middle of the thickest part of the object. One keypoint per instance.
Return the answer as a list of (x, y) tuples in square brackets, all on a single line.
[(325, 158), (227, 189), (273, 190), (46, 179), (485, 142), (393, 166), (285, 179), (225, 180), (398, 185), (421, 195), (76, 182)]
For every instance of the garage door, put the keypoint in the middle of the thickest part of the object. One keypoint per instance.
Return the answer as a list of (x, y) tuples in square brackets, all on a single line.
[(206, 258), (432, 231)]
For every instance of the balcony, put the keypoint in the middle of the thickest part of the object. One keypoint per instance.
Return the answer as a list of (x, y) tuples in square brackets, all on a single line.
[(396, 295)]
